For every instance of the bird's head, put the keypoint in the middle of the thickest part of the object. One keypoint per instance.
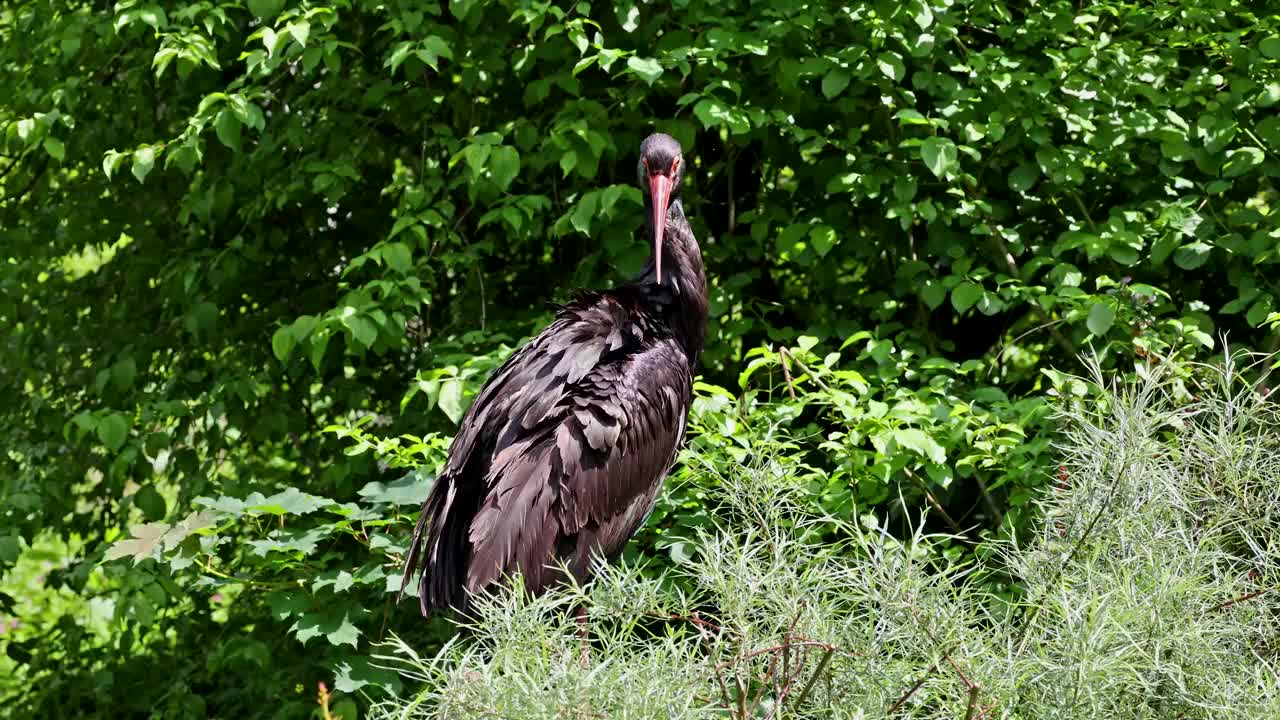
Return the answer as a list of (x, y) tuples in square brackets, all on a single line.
[(660, 170)]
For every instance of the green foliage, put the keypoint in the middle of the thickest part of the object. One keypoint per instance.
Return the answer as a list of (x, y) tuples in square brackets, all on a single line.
[(1149, 592), (257, 257)]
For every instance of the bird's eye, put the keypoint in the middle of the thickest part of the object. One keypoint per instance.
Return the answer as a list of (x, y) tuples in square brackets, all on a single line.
[(675, 165), (645, 162)]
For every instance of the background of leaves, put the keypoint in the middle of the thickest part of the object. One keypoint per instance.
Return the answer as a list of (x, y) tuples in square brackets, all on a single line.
[(257, 258)]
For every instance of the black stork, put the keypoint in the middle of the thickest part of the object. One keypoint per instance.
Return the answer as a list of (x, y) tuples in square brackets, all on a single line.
[(561, 456)]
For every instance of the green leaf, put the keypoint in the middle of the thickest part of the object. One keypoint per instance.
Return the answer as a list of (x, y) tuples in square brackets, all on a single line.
[(55, 148), (266, 9), (1192, 256), (1260, 311), (345, 634), (282, 342), (1241, 161), (450, 401), (1270, 47), (920, 443), (300, 30), (648, 69), (123, 372), (1024, 177), (823, 238), (504, 164), (145, 543), (398, 257), (227, 127), (113, 430), (111, 162), (933, 293), (477, 156), (964, 295), (890, 64), (362, 329), (319, 343), (939, 155), (143, 160), (834, 83), (290, 502), (150, 502), (1100, 319), (354, 673), (411, 489), (710, 112), (584, 212)]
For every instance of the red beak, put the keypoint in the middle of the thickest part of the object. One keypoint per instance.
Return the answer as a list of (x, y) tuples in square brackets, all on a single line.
[(660, 191)]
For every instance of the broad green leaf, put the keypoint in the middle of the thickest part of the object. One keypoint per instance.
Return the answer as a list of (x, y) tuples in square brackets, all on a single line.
[(964, 295), (823, 238), (1192, 256), (920, 443), (113, 430), (345, 634), (266, 9), (300, 30), (319, 343), (648, 69), (1241, 161), (939, 155), (890, 64), (282, 342), (144, 159), (398, 257), (145, 543), (1260, 310), (227, 127), (710, 112), (111, 162), (1024, 177), (584, 212), (55, 148), (1101, 317), (504, 164), (933, 293), (123, 372), (362, 329), (411, 489), (835, 81), (450, 401), (354, 673), (1270, 46), (477, 156), (150, 502), (290, 502)]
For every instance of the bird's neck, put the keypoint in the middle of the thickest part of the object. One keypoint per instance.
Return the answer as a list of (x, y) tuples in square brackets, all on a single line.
[(684, 279)]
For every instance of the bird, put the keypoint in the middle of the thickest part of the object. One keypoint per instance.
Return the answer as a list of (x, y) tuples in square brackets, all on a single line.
[(563, 453)]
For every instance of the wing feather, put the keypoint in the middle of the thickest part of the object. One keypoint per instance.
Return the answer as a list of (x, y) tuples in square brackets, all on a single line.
[(560, 457)]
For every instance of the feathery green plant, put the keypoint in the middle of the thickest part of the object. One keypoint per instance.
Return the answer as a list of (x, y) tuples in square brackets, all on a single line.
[(1148, 592)]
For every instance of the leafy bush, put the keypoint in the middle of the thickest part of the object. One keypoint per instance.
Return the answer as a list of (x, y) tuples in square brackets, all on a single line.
[(256, 258), (1149, 592)]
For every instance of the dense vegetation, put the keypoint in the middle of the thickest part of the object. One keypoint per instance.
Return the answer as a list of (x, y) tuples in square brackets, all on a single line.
[(256, 257)]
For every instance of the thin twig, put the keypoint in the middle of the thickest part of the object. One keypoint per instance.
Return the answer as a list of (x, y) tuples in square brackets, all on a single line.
[(775, 648), (787, 354), (1048, 324), (907, 695), (973, 701), (960, 532), (1242, 598), (822, 665), (786, 373)]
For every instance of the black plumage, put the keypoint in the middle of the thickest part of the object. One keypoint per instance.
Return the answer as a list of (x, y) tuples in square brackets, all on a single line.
[(562, 455)]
